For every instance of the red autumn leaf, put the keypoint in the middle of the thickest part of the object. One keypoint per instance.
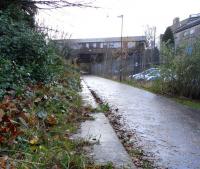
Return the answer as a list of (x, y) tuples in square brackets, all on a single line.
[(5, 118), (8, 130), (3, 106), (4, 129), (1, 139)]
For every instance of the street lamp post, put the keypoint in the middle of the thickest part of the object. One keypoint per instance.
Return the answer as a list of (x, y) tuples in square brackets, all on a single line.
[(120, 69)]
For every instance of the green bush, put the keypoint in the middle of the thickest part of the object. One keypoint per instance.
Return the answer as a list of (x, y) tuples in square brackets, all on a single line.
[(25, 55), (26, 48), (180, 71), (20, 10)]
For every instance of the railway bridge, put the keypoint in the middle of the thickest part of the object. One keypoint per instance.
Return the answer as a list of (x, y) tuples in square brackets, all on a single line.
[(97, 50)]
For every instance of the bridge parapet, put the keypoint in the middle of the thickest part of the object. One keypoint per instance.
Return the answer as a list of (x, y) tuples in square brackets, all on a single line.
[(97, 49)]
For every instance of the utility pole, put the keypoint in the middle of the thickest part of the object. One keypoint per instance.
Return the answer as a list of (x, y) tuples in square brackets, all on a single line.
[(154, 37), (120, 69)]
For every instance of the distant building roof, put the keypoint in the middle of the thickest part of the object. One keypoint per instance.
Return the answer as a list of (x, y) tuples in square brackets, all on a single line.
[(190, 22), (188, 25), (110, 39)]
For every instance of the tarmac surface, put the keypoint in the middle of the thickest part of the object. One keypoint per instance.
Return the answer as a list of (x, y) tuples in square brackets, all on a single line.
[(107, 147), (165, 129)]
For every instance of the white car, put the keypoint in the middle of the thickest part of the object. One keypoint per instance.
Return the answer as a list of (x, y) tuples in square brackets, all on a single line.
[(147, 75)]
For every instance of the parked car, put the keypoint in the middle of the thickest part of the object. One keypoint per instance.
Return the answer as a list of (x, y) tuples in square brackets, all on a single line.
[(84, 72), (147, 75), (153, 75)]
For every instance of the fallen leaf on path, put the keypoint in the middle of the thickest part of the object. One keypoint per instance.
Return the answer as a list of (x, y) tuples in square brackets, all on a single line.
[(33, 120), (51, 120), (5, 163)]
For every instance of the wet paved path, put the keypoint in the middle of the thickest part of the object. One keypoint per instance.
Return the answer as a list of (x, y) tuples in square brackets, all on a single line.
[(108, 147), (166, 129)]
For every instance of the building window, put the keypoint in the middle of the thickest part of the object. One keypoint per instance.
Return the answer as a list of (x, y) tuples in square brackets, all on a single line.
[(131, 44), (117, 44), (105, 45), (111, 45), (185, 33), (192, 31), (101, 45), (98, 45), (94, 45), (189, 50), (87, 45)]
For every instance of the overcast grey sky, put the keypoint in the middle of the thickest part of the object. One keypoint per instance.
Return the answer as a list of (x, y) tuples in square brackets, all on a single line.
[(103, 22)]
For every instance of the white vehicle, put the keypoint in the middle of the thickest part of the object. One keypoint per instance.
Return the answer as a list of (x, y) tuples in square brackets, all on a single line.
[(147, 75)]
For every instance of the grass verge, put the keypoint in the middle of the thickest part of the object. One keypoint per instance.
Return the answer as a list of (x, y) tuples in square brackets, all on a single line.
[(36, 127), (149, 86)]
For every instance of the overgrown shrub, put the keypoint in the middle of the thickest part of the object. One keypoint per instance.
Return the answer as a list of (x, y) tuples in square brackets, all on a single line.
[(20, 10), (25, 55), (180, 71)]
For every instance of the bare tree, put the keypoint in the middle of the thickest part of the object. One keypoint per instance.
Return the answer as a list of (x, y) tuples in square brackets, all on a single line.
[(150, 33), (55, 4), (30, 7)]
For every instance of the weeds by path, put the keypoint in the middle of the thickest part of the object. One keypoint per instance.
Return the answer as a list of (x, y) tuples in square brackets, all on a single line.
[(35, 127)]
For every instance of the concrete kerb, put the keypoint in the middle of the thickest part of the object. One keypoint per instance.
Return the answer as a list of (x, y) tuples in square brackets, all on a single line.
[(108, 147)]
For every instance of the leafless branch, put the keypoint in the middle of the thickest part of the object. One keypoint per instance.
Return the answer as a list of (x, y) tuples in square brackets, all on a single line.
[(55, 4)]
